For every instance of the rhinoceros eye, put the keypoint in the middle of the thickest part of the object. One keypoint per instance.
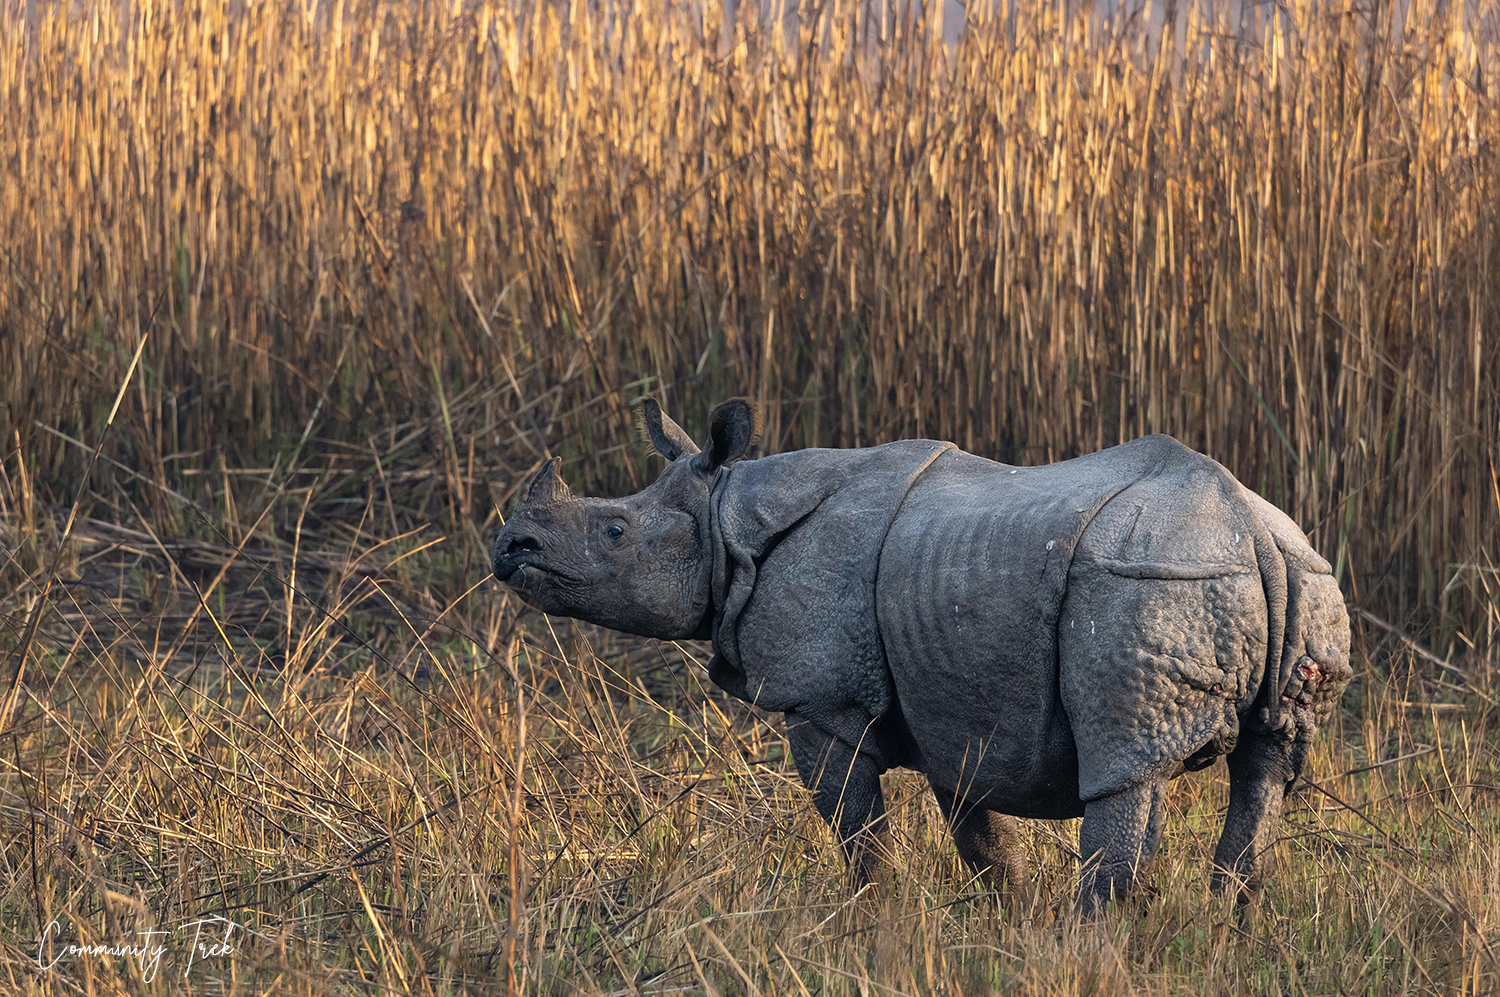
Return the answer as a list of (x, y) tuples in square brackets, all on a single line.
[(615, 532)]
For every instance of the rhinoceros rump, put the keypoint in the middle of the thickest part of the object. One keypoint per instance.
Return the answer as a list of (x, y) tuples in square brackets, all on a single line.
[(1053, 641)]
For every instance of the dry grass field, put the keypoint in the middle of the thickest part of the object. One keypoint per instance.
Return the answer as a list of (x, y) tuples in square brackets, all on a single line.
[(296, 296)]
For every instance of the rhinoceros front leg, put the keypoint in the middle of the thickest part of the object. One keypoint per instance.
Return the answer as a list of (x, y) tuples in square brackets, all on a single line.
[(1117, 842), (987, 840), (1260, 771), (846, 789)]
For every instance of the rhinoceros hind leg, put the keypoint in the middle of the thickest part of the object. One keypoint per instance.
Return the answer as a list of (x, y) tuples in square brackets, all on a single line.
[(846, 790), (1117, 842), (1260, 770), (988, 841)]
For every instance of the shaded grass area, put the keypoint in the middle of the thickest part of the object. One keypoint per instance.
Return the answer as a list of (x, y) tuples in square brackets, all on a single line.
[(392, 780)]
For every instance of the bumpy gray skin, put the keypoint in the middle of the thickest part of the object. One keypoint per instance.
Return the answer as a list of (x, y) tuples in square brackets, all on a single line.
[(1051, 641)]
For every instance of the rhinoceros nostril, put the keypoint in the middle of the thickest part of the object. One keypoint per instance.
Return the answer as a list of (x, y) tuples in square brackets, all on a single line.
[(522, 543)]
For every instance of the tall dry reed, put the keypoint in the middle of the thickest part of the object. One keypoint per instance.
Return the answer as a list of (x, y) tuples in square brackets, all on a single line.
[(494, 225)]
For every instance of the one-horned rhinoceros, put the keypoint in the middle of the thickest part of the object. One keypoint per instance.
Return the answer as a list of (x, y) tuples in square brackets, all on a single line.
[(1048, 641)]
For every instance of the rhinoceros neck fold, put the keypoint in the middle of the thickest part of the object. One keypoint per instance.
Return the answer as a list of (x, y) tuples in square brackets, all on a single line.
[(720, 576), (797, 541)]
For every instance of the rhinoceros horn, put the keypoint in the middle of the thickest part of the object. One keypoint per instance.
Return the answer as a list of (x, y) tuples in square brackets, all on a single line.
[(548, 486)]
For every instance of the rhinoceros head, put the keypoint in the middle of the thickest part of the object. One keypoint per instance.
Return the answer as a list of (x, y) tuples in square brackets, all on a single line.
[(640, 564)]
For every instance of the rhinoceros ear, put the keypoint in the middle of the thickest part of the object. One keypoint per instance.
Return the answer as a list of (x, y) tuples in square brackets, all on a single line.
[(548, 485), (666, 436), (731, 430)]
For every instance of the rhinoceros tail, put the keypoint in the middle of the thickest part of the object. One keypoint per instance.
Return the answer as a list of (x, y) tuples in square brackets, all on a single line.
[(1313, 670), (1273, 580), (1315, 661)]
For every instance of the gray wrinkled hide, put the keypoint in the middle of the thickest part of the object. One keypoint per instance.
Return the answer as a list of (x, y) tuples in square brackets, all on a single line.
[(1050, 635)]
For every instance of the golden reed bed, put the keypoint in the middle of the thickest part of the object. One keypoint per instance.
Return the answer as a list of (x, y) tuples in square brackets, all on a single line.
[(1277, 244), (383, 256)]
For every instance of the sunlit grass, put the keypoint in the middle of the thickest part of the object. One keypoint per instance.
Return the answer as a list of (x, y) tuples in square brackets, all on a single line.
[(561, 810)]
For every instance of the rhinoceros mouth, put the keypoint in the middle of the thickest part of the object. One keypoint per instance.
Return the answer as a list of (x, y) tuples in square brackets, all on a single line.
[(528, 574)]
